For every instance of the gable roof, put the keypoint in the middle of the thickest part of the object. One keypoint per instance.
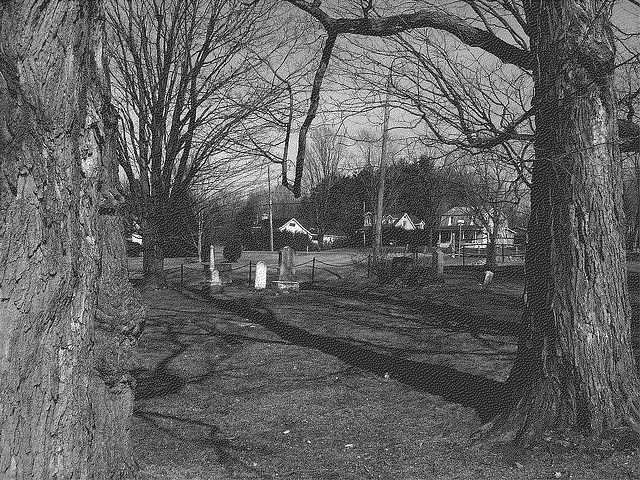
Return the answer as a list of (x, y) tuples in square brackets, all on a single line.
[(458, 212), (285, 224), (404, 215)]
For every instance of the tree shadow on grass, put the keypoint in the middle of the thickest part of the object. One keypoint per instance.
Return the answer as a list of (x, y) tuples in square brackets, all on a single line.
[(488, 397), (436, 313), (227, 452), (159, 381)]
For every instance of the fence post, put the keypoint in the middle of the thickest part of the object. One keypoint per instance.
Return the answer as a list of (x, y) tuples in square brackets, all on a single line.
[(368, 265), (464, 254), (249, 272), (181, 274), (313, 268), (503, 253)]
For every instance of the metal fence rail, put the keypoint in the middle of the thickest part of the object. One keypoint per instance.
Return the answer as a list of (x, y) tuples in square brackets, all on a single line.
[(310, 270)]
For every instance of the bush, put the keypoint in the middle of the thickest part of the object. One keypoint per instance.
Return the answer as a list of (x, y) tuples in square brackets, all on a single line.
[(232, 250)]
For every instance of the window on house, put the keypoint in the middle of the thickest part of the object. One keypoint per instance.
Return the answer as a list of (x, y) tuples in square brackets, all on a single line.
[(450, 221), (292, 224)]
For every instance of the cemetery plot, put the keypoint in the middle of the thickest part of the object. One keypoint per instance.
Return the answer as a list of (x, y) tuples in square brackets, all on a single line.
[(345, 378)]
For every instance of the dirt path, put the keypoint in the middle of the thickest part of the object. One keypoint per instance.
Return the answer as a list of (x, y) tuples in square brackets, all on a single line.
[(336, 384)]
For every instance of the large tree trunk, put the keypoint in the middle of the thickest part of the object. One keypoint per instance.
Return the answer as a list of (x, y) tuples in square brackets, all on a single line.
[(492, 262), (152, 244), (574, 368), (119, 321), (65, 396)]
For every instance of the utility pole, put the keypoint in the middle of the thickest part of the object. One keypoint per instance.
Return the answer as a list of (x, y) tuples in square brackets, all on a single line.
[(364, 228), (270, 208), (377, 236), (200, 227)]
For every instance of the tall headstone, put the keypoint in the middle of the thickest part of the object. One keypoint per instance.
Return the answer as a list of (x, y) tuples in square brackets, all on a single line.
[(287, 270), (215, 284), (212, 260), (437, 261), (488, 277), (287, 278), (261, 276)]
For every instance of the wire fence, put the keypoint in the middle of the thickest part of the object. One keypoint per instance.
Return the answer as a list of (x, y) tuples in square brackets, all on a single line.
[(505, 254), (318, 269), (312, 270)]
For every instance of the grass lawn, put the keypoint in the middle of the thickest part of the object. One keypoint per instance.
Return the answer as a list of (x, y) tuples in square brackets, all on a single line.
[(346, 379)]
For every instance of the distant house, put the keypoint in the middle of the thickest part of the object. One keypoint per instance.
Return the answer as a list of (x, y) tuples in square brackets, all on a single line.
[(368, 220), (459, 226), (300, 226), (399, 220), (332, 236), (295, 226), (136, 238)]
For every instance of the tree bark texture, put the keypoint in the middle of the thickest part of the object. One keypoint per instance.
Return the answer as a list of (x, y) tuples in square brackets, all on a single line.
[(574, 366), (492, 261), (65, 391), (153, 257)]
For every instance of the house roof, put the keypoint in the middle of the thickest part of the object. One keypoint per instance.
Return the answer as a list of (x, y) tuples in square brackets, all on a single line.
[(397, 216), (457, 211), (284, 222)]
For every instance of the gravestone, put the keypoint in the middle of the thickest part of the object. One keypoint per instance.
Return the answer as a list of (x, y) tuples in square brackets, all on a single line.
[(287, 270), (287, 278), (215, 285), (225, 273), (488, 277), (261, 276), (437, 261)]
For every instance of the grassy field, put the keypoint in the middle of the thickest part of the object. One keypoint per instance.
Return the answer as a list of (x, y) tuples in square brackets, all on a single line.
[(346, 379)]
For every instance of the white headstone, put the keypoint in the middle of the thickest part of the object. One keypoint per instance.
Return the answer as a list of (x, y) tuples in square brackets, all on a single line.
[(488, 277), (215, 284), (261, 276), (212, 260)]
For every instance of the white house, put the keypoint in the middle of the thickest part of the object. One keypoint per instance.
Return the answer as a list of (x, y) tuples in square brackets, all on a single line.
[(295, 226), (459, 227), (399, 220), (331, 236)]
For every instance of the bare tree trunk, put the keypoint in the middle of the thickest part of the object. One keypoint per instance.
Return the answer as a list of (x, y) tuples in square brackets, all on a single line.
[(200, 228), (574, 367), (153, 251), (635, 240), (377, 231), (120, 319), (67, 315), (377, 234), (491, 261)]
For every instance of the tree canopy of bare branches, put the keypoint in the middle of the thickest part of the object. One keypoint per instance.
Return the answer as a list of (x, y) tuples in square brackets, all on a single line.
[(190, 82), (576, 304)]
